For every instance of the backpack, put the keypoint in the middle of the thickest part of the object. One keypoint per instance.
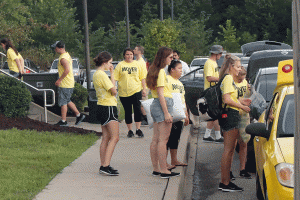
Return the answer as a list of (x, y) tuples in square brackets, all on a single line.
[(210, 102)]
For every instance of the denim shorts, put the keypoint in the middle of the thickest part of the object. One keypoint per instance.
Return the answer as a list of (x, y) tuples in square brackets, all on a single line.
[(231, 121), (156, 110), (64, 95)]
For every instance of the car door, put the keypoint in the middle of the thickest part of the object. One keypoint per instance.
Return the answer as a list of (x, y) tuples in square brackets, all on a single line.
[(193, 84), (260, 143)]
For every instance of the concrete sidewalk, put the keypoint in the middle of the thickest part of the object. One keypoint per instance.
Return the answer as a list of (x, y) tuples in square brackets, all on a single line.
[(81, 179)]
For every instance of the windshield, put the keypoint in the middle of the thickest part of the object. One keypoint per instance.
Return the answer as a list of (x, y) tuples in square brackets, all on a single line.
[(75, 65), (266, 85), (198, 62), (286, 120)]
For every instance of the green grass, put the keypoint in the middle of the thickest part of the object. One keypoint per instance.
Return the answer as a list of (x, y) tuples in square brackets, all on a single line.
[(29, 160)]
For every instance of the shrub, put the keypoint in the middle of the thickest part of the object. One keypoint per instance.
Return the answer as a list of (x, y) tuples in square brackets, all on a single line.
[(15, 98), (79, 96)]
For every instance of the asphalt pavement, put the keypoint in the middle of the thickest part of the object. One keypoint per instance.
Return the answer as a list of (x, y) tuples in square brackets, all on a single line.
[(207, 173)]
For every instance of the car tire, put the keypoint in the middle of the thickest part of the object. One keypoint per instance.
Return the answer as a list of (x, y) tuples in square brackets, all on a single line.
[(259, 193)]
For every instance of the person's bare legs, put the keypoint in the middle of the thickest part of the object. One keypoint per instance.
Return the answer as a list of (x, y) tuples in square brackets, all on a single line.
[(153, 148), (138, 125), (164, 130), (72, 106), (242, 154), (174, 160), (129, 126), (104, 142), (112, 129), (230, 138), (64, 110)]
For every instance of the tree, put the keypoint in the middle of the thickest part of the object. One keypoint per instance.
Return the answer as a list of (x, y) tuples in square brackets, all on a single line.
[(229, 40), (15, 22), (161, 33)]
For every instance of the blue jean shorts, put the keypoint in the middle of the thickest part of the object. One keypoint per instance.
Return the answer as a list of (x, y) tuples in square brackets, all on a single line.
[(156, 110), (231, 121), (64, 96)]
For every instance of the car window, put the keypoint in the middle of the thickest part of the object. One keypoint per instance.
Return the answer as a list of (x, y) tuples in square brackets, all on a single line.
[(198, 62), (75, 65), (54, 64), (270, 113), (193, 76), (286, 120), (266, 85)]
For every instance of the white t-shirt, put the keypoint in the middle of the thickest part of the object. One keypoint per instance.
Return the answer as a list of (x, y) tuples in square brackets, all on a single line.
[(185, 68)]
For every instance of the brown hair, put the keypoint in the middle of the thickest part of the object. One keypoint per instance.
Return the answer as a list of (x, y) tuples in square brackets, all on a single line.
[(127, 49), (158, 64), (141, 48), (8, 44), (102, 57), (229, 61)]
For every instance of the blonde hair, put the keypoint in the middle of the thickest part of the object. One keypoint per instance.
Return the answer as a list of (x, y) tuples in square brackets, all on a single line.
[(229, 61)]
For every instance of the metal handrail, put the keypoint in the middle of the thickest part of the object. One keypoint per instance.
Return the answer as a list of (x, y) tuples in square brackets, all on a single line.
[(39, 90), (31, 70)]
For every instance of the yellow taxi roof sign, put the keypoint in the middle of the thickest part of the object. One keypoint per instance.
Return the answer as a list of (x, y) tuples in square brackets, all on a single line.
[(285, 72)]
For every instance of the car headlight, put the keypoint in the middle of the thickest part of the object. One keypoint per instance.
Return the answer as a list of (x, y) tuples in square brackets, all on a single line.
[(285, 174)]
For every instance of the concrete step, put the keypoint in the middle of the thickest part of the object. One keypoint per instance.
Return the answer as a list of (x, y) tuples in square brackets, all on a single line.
[(37, 110)]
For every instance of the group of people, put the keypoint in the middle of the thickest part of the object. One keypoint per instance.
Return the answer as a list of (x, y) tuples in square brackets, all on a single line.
[(233, 87), (134, 82)]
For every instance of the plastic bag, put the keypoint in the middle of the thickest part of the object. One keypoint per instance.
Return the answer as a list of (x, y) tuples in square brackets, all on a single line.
[(178, 108), (146, 105), (245, 121), (258, 104)]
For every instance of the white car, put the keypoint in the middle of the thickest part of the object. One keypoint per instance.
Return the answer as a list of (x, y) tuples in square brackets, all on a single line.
[(198, 62)]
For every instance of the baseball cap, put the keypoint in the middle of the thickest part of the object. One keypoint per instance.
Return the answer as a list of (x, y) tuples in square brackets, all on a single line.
[(216, 49), (59, 44)]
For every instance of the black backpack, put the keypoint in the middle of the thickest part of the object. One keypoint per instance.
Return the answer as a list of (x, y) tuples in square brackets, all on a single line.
[(212, 101)]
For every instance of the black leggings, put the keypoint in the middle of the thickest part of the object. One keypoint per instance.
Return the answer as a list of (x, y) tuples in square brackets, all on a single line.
[(134, 101), (175, 135)]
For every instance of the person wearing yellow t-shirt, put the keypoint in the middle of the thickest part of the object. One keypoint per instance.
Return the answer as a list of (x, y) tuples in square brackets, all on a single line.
[(243, 88), (211, 76), (161, 111), (138, 53), (65, 84), (131, 87), (107, 112), (175, 86), (14, 59), (229, 121)]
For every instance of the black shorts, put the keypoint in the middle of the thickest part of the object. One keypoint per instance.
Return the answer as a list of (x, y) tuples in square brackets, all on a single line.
[(231, 121), (105, 114)]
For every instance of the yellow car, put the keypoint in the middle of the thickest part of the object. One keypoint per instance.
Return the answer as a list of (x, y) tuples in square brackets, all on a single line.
[(274, 140)]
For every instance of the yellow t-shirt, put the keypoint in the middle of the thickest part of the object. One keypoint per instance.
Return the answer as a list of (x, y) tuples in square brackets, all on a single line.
[(11, 56), (175, 86), (102, 86), (68, 81), (242, 88), (162, 81), (129, 76), (229, 86), (210, 69)]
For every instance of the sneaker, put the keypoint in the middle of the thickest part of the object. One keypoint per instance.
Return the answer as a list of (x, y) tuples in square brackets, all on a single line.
[(139, 133), (173, 174), (221, 140), (208, 139), (144, 123), (231, 187), (130, 134), (79, 119), (231, 176), (101, 168), (154, 173), (109, 171), (61, 123), (245, 174)]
